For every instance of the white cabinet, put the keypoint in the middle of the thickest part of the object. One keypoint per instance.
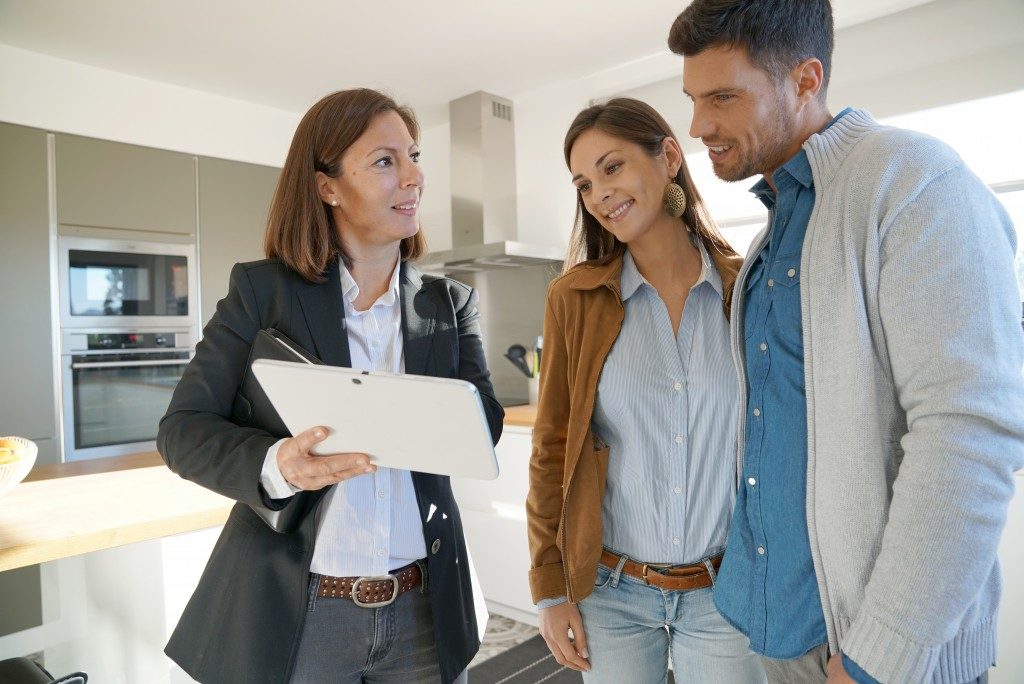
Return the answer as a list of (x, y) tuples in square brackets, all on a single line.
[(494, 521)]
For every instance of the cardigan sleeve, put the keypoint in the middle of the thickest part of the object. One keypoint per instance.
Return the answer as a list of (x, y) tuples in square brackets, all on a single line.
[(950, 312)]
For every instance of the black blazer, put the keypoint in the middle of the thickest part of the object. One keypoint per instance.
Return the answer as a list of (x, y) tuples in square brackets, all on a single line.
[(245, 618)]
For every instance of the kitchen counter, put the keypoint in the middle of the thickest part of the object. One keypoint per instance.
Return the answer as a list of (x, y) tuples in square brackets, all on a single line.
[(521, 416), (75, 508), (69, 509)]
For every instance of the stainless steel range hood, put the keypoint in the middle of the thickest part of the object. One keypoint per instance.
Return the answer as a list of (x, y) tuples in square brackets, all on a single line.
[(483, 186)]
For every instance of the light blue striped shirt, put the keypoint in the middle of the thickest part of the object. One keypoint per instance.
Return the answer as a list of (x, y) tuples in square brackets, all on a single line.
[(667, 406)]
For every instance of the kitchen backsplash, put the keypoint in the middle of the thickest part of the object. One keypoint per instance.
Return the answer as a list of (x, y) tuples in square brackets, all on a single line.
[(511, 312)]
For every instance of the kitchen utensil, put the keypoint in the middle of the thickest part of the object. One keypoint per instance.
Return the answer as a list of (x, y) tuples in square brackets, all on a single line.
[(517, 355), (538, 350)]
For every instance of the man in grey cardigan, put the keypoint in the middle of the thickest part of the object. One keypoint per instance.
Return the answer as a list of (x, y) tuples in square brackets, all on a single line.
[(876, 328)]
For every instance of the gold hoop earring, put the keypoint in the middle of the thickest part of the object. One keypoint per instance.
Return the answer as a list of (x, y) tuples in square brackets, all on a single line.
[(673, 200)]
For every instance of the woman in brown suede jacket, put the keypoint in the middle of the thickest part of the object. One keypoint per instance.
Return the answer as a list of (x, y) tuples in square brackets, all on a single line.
[(636, 350)]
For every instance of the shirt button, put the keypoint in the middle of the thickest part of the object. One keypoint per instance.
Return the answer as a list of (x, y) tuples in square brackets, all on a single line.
[(678, 490), (757, 412), (764, 347), (760, 550), (675, 540), (380, 552), (751, 481), (381, 493), (679, 439), (436, 546), (678, 386), (771, 282), (791, 272)]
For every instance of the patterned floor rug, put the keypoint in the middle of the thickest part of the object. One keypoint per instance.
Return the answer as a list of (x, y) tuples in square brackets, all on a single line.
[(528, 663)]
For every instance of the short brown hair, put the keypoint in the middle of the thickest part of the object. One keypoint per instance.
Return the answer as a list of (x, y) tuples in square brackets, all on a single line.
[(776, 35), (300, 226), (639, 123)]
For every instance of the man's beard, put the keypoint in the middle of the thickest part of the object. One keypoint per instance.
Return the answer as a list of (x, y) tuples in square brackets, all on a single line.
[(770, 156)]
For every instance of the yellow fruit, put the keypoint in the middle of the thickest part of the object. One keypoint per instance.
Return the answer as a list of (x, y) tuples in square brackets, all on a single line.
[(8, 455)]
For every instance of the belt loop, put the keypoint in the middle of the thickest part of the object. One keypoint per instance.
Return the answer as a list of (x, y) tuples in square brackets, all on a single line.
[(424, 583), (314, 586), (711, 570), (617, 572)]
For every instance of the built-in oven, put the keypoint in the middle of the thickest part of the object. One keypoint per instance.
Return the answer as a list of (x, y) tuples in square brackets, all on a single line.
[(125, 283), (116, 387)]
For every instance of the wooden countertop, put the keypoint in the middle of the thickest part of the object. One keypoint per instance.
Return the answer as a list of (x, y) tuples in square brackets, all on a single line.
[(74, 508), (521, 416), (68, 509)]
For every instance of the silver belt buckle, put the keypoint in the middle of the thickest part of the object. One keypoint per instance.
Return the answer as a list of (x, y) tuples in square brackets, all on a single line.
[(377, 604)]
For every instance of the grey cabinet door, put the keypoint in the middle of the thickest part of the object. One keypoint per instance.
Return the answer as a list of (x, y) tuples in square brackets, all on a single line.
[(233, 202), (27, 405), (113, 185)]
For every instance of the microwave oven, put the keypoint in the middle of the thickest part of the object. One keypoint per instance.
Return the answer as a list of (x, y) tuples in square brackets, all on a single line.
[(126, 284)]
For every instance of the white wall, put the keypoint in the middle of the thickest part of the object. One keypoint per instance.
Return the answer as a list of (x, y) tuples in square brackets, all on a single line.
[(938, 53), (58, 95)]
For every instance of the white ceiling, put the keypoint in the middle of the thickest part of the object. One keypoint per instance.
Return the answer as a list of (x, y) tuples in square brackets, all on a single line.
[(288, 54)]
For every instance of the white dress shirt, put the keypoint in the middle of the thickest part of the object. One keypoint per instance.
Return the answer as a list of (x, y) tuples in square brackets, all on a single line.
[(370, 524)]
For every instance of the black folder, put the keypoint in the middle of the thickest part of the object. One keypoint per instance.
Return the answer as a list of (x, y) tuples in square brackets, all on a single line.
[(253, 408)]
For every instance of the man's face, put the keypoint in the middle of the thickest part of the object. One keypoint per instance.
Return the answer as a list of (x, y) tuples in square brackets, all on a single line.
[(746, 119)]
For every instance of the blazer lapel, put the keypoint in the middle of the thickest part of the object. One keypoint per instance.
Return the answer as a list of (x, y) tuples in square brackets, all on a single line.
[(418, 315), (325, 316)]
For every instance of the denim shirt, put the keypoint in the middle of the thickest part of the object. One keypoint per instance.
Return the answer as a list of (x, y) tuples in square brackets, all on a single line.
[(767, 587)]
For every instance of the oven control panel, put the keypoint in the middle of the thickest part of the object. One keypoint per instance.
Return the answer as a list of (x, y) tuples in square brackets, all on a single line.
[(115, 341)]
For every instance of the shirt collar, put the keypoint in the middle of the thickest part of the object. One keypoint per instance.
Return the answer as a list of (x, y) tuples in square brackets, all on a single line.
[(631, 279), (798, 167), (350, 289)]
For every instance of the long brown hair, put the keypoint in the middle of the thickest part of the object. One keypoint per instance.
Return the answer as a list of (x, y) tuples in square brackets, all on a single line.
[(636, 122), (300, 226)]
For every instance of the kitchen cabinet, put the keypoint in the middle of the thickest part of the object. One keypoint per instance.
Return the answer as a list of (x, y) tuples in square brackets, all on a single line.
[(233, 203), (113, 185), (27, 401), (494, 522)]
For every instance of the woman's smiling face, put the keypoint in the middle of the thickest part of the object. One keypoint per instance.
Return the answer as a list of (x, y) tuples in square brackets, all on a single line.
[(620, 183)]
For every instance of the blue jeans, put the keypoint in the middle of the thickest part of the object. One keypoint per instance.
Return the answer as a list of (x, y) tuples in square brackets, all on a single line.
[(343, 643), (633, 628)]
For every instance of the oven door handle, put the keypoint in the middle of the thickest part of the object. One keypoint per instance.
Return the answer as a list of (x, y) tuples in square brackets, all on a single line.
[(129, 364)]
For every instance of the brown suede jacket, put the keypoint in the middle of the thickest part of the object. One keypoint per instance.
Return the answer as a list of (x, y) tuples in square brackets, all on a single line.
[(568, 467)]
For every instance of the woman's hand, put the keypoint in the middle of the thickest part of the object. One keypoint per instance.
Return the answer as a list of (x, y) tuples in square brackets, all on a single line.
[(555, 623), (311, 471)]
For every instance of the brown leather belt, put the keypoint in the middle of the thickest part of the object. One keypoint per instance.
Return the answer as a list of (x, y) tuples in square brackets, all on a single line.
[(371, 592), (673, 578)]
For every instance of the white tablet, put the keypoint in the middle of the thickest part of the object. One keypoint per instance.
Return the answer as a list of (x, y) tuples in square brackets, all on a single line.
[(411, 422)]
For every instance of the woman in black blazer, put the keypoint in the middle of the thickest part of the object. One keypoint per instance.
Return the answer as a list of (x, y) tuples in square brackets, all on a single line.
[(342, 228)]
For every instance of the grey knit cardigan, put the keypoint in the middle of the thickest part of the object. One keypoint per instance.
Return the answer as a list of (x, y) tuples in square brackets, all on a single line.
[(913, 353)]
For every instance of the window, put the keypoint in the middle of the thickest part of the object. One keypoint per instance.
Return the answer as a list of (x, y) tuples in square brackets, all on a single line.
[(1012, 197)]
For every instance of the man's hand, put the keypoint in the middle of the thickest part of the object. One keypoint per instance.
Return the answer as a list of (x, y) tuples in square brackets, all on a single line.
[(311, 471), (836, 671), (555, 623)]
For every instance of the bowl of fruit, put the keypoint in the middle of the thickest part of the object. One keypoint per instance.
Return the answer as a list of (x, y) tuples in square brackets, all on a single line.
[(17, 456)]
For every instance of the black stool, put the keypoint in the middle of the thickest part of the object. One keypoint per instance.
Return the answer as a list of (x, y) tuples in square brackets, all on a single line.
[(25, 671)]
